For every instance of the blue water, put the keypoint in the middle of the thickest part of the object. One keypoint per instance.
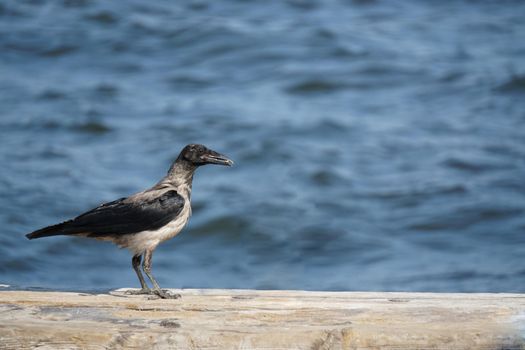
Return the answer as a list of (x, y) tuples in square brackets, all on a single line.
[(379, 145)]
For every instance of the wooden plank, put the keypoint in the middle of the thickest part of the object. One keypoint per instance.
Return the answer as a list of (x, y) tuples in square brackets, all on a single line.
[(250, 319)]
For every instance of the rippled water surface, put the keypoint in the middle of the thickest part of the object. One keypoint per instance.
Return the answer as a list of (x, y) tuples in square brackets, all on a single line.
[(379, 145)]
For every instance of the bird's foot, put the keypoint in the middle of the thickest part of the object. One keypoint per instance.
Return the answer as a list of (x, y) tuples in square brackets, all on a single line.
[(139, 291), (155, 293), (165, 294)]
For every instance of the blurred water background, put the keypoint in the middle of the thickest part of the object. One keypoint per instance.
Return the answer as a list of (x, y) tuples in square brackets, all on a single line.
[(379, 145)]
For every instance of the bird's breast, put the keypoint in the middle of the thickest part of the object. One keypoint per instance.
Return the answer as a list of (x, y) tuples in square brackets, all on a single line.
[(176, 225), (148, 240)]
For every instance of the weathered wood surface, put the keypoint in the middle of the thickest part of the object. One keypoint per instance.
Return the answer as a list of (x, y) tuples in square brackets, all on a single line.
[(248, 319)]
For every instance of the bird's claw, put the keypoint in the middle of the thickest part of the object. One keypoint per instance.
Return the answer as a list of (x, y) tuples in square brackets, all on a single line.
[(160, 293), (139, 291), (164, 294)]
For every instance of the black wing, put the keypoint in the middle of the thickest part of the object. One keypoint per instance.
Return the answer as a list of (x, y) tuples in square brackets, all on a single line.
[(119, 217)]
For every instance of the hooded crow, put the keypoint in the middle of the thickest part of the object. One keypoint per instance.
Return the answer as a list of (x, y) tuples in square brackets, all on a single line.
[(143, 220)]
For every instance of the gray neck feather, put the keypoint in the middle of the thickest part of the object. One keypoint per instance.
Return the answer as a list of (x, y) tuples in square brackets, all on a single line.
[(180, 175)]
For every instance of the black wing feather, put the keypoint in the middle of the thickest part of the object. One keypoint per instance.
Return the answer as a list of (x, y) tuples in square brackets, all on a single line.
[(119, 217)]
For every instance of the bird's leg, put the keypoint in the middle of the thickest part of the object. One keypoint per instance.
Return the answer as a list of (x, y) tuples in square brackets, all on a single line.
[(136, 266), (135, 262), (146, 266)]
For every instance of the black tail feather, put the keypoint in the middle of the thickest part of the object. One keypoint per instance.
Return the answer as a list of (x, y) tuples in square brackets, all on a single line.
[(53, 230)]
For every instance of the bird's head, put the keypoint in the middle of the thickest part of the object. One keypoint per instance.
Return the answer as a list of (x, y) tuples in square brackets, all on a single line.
[(201, 155)]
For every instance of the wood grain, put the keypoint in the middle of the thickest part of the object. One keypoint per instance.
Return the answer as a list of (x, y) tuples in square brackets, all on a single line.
[(252, 319)]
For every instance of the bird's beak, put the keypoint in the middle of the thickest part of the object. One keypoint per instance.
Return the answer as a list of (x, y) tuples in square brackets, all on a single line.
[(213, 157)]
